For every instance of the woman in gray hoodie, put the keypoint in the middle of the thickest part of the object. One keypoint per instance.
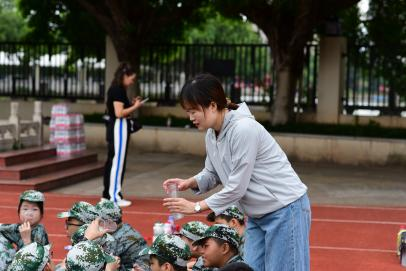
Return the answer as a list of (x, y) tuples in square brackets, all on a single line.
[(255, 173)]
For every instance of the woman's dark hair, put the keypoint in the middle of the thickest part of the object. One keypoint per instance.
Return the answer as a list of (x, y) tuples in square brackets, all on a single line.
[(123, 69), (211, 217), (161, 261), (39, 204), (203, 90)]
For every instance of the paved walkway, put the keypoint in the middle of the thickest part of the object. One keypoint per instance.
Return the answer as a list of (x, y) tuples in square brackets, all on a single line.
[(328, 183)]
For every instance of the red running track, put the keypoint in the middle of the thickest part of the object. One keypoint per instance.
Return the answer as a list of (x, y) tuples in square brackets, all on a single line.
[(342, 237)]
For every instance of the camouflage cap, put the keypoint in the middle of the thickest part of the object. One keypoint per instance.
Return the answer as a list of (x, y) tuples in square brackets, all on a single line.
[(32, 195), (193, 230), (32, 257), (232, 211), (87, 256), (82, 211), (107, 209), (222, 232), (170, 248), (79, 236)]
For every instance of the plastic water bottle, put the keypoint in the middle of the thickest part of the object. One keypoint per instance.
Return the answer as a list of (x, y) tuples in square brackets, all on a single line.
[(173, 193), (158, 229)]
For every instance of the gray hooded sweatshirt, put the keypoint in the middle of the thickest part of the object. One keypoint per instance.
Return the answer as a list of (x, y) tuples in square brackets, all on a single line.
[(251, 166)]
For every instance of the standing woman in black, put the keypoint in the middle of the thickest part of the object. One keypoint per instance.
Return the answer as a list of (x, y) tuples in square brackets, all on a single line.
[(119, 109)]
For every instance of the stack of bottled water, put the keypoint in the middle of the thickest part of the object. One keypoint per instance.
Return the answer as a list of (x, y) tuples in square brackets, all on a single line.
[(67, 130)]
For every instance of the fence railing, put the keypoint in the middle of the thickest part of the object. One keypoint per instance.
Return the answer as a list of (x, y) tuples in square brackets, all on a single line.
[(246, 71), (370, 82), (73, 71), (57, 70)]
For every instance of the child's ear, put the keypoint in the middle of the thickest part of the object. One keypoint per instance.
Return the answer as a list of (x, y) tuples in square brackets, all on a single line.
[(225, 248), (233, 223), (167, 267)]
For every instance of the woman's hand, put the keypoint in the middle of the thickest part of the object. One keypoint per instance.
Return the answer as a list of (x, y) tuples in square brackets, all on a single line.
[(93, 231), (179, 205), (181, 183), (137, 102), (25, 232), (114, 265)]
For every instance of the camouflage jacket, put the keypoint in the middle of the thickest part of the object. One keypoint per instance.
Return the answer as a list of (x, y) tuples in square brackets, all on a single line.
[(199, 266), (241, 248), (128, 245), (235, 259), (7, 253), (12, 234)]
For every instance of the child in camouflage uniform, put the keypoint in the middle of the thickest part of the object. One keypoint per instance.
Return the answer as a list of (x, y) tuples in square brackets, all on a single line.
[(30, 211), (79, 214), (88, 256), (220, 246), (168, 250), (129, 242), (32, 257), (189, 233), (234, 218)]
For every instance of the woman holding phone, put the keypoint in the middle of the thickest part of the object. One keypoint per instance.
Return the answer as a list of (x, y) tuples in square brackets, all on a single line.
[(119, 109), (255, 173)]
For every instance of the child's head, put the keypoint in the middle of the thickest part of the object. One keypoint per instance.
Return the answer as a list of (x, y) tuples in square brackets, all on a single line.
[(204, 100), (232, 217), (168, 253), (108, 209), (86, 256), (31, 207), (220, 243), (32, 257), (81, 213), (191, 232)]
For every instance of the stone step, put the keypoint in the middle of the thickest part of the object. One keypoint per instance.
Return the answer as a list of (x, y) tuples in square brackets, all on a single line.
[(16, 157), (56, 179)]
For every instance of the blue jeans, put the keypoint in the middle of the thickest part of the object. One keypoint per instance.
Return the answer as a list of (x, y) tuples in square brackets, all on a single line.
[(279, 241)]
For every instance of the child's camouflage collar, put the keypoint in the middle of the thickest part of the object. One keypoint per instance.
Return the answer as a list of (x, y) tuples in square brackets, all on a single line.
[(108, 210), (32, 257), (82, 211), (32, 195), (170, 248), (86, 256), (222, 232), (193, 230)]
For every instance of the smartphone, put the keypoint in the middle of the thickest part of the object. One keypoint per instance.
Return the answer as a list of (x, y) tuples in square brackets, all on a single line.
[(145, 100)]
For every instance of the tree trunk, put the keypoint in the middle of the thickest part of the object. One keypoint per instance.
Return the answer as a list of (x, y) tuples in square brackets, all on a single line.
[(282, 109)]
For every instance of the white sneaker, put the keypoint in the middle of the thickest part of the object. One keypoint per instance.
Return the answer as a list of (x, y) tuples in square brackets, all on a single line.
[(123, 203)]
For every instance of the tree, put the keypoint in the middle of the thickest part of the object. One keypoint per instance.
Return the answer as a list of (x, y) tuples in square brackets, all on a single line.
[(218, 29), (386, 32), (9, 16), (288, 25)]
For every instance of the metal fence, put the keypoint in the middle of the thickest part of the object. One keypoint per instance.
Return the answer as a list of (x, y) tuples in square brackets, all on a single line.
[(246, 71), (369, 83), (57, 70), (74, 71)]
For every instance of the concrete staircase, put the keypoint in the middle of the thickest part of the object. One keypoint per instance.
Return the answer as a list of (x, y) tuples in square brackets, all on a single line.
[(41, 169)]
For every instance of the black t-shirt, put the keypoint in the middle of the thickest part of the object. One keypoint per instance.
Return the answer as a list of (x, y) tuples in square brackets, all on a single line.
[(114, 94)]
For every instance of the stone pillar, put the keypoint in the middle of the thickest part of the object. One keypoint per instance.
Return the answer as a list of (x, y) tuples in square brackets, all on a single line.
[(37, 117), (111, 64), (331, 80), (15, 119)]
